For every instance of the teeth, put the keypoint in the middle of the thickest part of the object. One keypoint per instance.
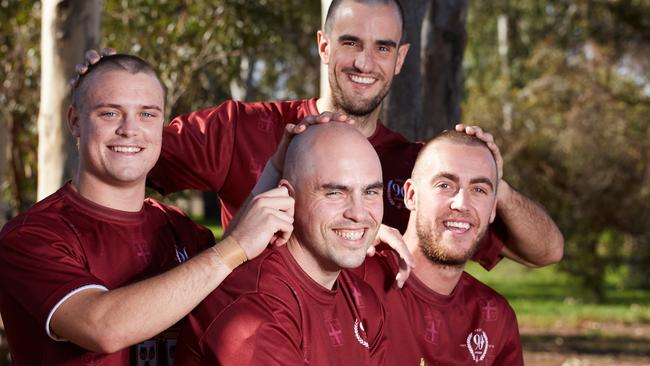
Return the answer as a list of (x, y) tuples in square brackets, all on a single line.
[(349, 234), (362, 80), (126, 149), (456, 224)]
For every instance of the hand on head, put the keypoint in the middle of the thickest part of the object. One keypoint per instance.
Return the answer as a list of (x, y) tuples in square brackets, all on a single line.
[(91, 57), (268, 218), (293, 129), (489, 141)]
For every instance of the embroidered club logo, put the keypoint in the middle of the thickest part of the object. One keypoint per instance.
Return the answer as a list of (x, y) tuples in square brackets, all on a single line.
[(477, 345), (360, 333), (395, 192), (181, 254)]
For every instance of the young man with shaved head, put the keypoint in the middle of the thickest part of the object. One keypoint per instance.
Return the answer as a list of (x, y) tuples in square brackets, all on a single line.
[(96, 267), (224, 149), (298, 304), (442, 315)]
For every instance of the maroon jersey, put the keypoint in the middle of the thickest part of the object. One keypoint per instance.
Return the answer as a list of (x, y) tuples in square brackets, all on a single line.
[(65, 244), (224, 150), (474, 325), (270, 312)]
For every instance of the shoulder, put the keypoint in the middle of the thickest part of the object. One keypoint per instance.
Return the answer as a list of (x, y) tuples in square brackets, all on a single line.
[(484, 294), (49, 218)]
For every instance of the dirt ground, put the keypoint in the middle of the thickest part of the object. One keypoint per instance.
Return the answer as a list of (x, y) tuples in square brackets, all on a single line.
[(590, 344)]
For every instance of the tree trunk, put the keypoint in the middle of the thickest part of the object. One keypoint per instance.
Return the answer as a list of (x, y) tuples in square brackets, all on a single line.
[(324, 79), (69, 28), (444, 38), (4, 159), (403, 106)]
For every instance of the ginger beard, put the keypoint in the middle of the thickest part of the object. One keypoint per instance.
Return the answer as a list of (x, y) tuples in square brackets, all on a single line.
[(438, 248)]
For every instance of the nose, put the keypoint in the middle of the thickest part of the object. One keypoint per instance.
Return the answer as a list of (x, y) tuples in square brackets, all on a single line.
[(364, 60), (128, 126), (355, 209), (460, 202)]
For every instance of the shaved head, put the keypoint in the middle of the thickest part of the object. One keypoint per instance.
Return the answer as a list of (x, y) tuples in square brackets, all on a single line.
[(336, 180), (324, 141), (455, 137), (335, 5)]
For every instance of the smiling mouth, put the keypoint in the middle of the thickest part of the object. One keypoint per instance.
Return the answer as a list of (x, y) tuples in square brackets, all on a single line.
[(126, 149), (457, 226), (365, 80), (352, 235)]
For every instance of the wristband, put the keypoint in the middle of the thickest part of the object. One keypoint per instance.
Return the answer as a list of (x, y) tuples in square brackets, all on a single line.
[(230, 252)]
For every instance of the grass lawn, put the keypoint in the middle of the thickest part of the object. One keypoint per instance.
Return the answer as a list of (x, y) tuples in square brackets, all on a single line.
[(545, 298)]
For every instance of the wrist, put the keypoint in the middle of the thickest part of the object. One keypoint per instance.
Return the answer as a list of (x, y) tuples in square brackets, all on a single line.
[(229, 252)]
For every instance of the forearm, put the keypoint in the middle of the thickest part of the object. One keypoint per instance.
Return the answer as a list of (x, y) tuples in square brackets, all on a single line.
[(107, 321), (533, 238)]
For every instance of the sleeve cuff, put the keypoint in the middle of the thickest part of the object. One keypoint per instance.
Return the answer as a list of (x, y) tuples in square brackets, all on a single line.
[(55, 307)]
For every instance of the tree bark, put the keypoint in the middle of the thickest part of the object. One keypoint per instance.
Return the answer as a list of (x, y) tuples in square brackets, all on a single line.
[(403, 106), (444, 39), (69, 28), (324, 79), (4, 160)]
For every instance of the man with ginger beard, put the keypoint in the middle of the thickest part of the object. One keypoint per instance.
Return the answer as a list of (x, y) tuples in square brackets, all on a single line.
[(299, 304), (442, 315)]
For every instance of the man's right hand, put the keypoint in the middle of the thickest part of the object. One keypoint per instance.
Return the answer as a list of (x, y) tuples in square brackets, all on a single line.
[(268, 218), (91, 57), (291, 130)]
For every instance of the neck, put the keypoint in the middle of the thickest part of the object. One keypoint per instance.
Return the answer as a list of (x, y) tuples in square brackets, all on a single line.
[(367, 124), (437, 277), (310, 264), (128, 197)]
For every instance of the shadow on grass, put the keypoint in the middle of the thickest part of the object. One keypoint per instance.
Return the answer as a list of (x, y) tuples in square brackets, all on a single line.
[(586, 344)]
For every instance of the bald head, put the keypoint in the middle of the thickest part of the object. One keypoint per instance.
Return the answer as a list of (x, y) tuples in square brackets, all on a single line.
[(327, 144), (335, 6), (336, 180)]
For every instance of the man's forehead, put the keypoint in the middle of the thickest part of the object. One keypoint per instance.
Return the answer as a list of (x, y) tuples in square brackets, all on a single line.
[(460, 159), (351, 16)]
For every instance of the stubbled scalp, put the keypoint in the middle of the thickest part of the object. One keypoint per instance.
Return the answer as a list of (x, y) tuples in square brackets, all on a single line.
[(316, 140), (332, 11), (118, 62), (456, 137)]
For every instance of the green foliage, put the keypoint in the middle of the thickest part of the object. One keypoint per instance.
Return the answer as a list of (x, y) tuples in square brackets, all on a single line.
[(579, 138), (19, 97), (202, 49)]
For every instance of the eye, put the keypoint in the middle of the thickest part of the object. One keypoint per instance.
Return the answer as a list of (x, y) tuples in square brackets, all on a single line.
[(373, 192), (108, 114), (350, 43), (443, 186), (480, 190), (333, 193), (148, 115), (383, 49)]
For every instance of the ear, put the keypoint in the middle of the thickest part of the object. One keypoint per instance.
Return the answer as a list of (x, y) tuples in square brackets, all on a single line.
[(401, 56), (285, 183), (410, 199), (323, 46), (73, 121)]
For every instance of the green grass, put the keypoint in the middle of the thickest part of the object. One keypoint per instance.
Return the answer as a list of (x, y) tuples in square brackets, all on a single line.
[(546, 297)]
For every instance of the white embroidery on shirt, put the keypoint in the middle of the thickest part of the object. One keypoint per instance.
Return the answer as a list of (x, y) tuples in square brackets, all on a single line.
[(477, 345), (357, 334)]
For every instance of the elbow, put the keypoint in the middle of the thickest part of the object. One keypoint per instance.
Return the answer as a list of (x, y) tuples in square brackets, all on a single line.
[(553, 255), (106, 343)]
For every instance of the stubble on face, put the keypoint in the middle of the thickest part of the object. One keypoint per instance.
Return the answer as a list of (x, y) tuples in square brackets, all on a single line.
[(432, 245), (352, 104)]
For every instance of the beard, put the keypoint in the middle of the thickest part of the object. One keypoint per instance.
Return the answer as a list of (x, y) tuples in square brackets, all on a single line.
[(351, 107), (431, 244)]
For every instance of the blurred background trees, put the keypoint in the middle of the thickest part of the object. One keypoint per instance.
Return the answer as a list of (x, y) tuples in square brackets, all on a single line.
[(563, 85)]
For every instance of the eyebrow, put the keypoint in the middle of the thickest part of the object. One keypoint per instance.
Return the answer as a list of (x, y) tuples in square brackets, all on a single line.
[(342, 187), (117, 106), (381, 42), (454, 178)]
